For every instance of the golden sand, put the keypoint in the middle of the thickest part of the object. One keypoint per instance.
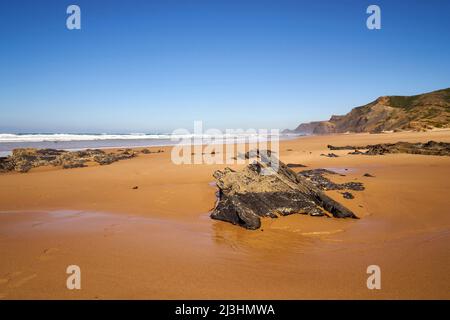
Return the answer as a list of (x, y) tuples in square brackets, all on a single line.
[(157, 241)]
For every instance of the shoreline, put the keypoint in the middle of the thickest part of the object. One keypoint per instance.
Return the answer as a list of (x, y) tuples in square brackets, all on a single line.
[(109, 144), (158, 241), (6, 147)]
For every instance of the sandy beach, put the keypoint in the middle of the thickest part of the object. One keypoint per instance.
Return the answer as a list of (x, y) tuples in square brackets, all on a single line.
[(158, 242)]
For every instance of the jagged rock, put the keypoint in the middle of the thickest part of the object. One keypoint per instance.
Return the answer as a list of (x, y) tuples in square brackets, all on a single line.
[(429, 148), (377, 150), (356, 152), (24, 159), (68, 160), (316, 176), (22, 166), (73, 164), (347, 195), (104, 159), (6, 164), (248, 195), (343, 147)]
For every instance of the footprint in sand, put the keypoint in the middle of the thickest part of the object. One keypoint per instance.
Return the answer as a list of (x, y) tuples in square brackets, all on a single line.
[(16, 280), (48, 254), (21, 281)]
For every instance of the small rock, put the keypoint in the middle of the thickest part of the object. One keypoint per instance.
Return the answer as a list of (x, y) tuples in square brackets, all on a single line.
[(135, 187), (24, 159), (316, 176), (347, 195), (329, 155), (368, 175), (6, 164)]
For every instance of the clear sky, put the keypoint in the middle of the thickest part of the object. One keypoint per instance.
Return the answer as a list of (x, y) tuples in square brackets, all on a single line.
[(153, 66)]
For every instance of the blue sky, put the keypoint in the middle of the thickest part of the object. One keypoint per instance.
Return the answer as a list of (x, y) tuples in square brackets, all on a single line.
[(153, 66)]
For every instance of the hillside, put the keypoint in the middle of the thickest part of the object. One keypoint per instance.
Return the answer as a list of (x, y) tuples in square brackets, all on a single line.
[(388, 113)]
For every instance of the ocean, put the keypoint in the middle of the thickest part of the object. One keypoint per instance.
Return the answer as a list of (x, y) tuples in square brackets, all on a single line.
[(68, 141)]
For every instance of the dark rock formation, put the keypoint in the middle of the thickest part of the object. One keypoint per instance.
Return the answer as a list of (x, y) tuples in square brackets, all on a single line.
[(254, 154), (248, 195), (148, 151), (356, 152), (296, 165), (428, 148), (347, 195), (6, 164), (344, 147), (368, 175), (317, 178), (22, 160), (329, 155)]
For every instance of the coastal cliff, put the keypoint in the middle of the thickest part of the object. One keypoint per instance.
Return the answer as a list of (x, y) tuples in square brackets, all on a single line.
[(388, 113)]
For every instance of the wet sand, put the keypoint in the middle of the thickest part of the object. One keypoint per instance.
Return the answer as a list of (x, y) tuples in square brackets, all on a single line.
[(157, 242)]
